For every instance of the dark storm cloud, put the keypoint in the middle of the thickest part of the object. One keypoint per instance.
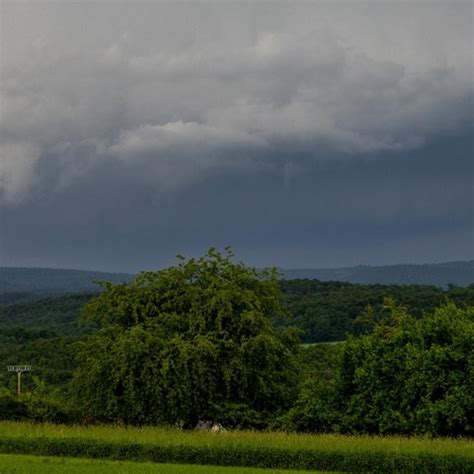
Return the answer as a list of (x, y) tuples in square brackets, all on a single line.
[(413, 208), (291, 131)]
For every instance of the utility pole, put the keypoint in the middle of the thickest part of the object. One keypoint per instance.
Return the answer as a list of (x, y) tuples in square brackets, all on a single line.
[(18, 369)]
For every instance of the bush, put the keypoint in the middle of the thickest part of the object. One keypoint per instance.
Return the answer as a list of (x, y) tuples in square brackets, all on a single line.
[(314, 411), (39, 405), (12, 407)]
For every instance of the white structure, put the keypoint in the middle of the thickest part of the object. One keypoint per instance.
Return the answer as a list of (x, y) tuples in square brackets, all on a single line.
[(18, 369)]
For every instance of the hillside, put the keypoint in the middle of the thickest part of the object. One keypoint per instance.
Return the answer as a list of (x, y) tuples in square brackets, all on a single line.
[(58, 315)]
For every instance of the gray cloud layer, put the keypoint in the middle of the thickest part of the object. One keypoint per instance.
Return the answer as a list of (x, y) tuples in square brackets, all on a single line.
[(161, 102), (173, 88)]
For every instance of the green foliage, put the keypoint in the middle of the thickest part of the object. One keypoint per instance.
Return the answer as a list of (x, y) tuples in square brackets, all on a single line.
[(196, 341), (57, 314), (12, 407), (47, 405), (269, 450), (410, 375), (18, 335), (52, 361), (324, 311), (17, 297), (40, 404), (314, 409), (329, 311), (191, 342)]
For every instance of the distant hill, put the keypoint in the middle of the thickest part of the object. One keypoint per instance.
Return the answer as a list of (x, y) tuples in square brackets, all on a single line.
[(23, 284), (438, 274)]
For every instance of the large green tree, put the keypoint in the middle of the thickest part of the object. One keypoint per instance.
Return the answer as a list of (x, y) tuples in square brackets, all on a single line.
[(409, 375), (194, 341)]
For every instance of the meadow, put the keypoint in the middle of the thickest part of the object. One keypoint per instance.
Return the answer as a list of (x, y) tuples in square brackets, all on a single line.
[(10, 464), (275, 450)]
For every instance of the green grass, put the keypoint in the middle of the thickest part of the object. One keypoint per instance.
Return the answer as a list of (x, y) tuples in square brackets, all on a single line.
[(54, 465), (173, 437), (242, 448)]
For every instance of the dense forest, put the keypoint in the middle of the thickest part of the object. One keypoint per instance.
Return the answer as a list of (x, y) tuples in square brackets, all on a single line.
[(329, 311)]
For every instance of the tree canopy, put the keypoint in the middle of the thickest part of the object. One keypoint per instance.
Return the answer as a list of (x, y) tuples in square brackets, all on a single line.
[(194, 341), (411, 375)]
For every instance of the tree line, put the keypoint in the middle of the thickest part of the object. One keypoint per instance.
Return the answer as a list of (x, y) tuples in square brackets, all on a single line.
[(323, 311)]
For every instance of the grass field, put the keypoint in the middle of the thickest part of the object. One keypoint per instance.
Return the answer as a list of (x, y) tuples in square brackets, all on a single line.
[(244, 448), (173, 437), (54, 465)]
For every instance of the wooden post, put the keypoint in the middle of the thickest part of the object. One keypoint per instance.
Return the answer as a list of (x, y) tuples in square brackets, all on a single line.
[(18, 383)]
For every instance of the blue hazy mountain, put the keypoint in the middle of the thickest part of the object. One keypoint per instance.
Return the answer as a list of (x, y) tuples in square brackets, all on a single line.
[(438, 274), (14, 280)]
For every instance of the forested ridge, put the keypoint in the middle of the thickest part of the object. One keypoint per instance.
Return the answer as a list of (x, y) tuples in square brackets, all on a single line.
[(323, 311)]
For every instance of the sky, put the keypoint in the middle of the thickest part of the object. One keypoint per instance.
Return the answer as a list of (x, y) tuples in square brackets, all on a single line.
[(310, 134)]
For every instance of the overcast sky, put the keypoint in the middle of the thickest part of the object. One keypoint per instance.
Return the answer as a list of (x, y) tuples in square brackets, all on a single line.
[(312, 134)]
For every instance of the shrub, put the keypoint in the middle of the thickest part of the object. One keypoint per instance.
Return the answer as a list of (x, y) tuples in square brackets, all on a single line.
[(12, 407), (314, 411)]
